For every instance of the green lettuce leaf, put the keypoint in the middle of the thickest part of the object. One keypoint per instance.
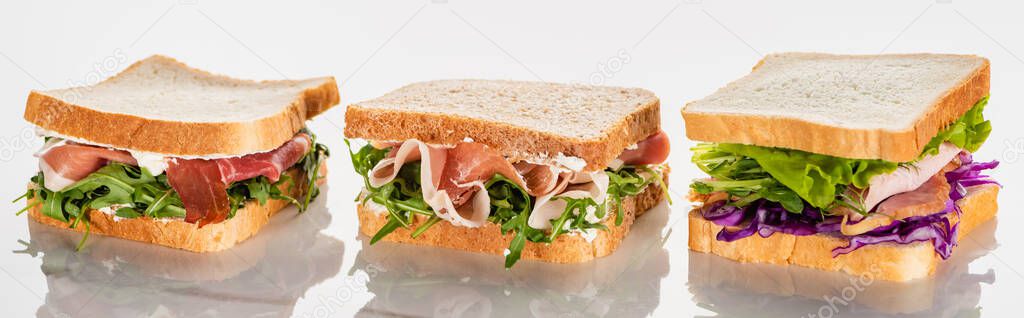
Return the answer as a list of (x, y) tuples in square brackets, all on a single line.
[(969, 132), (813, 177), (754, 172)]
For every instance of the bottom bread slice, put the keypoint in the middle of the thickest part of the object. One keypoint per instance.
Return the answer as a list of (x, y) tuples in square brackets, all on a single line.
[(892, 262), (180, 234), (567, 248)]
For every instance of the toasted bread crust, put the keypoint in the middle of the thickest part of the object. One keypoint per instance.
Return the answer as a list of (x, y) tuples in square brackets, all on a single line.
[(489, 240), (890, 262), (792, 133), (179, 234), (131, 132), (516, 143)]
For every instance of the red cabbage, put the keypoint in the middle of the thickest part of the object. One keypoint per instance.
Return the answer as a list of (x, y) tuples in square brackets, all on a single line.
[(765, 218)]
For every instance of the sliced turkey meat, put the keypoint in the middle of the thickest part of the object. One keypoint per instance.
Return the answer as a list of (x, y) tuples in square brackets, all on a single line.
[(931, 197), (909, 177)]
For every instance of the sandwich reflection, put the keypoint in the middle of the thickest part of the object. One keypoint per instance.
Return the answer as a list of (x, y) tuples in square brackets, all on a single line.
[(420, 281), (732, 289), (261, 277)]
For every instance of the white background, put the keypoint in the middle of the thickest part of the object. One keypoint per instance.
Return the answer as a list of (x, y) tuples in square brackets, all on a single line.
[(681, 50)]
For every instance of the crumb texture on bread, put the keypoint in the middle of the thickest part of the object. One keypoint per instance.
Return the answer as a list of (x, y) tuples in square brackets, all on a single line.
[(163, 106), (852, 106), (519, 119), (179, 234), (487, 239), (891, 262)]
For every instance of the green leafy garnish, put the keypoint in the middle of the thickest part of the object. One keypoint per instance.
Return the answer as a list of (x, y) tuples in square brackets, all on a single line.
[(969, 132), (310, 165), (626, 182), (511, 205), (132, 192)]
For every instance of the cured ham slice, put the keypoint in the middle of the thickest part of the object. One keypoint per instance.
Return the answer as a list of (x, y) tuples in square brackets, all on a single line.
[(432, 163), (64, 163), (540, 179), (592, 185), (202, 183), (908, 178), (202, 189), (472, 162), (268, 164), (456, 191), (452, 178), (653, 150)]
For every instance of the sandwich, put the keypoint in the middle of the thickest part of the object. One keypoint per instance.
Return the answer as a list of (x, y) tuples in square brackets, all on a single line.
[(854, 163), (542, 171), (170, 155)]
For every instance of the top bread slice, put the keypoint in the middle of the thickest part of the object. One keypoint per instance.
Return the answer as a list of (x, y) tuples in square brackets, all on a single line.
[(163, 106), (852, 106), (521, 120)]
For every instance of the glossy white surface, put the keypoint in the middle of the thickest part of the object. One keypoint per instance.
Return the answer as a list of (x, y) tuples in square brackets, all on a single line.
[(315, 264)]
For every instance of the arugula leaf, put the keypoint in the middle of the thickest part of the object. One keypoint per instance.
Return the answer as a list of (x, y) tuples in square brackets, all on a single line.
[(510, 207), (310, 164), (365, 159), (128, 213), (53, 206), (623, 183), (389, 227)]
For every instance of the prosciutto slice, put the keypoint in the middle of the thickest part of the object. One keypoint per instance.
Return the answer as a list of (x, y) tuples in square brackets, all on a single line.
[(453, 181), (456, 190), (452, 178), (202, 189), (432, 164), (468, 163), (653, 150), (592, 185), (63, 163), (202, 183), (268, 164)]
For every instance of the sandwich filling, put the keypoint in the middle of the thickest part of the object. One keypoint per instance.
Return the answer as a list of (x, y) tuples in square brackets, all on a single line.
[(468, 184), (75, 177), (765, 190)]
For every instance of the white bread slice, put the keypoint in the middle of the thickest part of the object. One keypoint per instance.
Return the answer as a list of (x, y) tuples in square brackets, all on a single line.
[(892, 262), (182, 235), (163, 106), (794, 290), (851, 106), (489, 240), (521, 120)]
